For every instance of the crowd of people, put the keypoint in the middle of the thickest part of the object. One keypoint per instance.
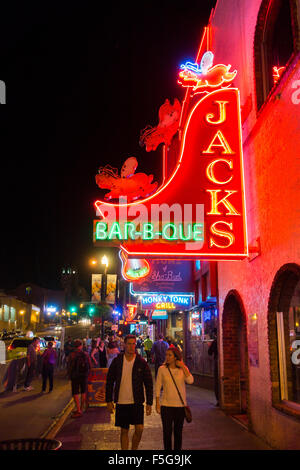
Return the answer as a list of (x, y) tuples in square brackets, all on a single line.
[(128, 378)]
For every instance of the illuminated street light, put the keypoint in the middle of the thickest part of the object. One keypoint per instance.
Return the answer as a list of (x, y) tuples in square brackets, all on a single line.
[(93, 262), (104, 260)]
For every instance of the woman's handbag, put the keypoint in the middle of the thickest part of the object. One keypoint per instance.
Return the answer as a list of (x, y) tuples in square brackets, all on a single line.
[(187, 409)]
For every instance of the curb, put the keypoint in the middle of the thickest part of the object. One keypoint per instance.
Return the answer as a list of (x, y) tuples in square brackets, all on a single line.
[(59, 421)]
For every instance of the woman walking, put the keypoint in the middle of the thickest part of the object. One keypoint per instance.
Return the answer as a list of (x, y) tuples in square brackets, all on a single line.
[(171, 407), (102, 354), (94, 354)]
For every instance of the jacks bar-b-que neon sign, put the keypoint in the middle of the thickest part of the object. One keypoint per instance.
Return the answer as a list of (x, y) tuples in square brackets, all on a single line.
[(199, 212)]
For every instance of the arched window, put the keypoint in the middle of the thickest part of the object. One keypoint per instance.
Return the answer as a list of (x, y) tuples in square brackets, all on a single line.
[(284, 336), (276, 42)]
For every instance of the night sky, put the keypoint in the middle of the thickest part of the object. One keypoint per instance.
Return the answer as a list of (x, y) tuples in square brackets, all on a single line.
[(81, 84)]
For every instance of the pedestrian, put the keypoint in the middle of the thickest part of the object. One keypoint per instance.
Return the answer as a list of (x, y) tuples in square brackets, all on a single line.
[(170, 407), (213, 351), (159, 349), (112, 351), (127, 376), (88, 341), (148, 343), (68, 347), (31, 359), (49, 360), (102, 354), (139, 345), (79, 366), (94, 354)]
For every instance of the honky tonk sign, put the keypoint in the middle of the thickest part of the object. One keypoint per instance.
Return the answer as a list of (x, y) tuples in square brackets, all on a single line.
[(199, 211)]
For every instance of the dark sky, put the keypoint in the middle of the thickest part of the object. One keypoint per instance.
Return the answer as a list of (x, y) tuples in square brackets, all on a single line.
[(81, 84)]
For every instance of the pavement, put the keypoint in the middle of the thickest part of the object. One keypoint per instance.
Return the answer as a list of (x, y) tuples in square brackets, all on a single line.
[(210, 429), (30, 414)]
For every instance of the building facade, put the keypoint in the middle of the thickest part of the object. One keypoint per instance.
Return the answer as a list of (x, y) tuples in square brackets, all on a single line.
[(259, 298)]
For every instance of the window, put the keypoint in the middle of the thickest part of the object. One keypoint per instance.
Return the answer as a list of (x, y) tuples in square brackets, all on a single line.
[(276, 39), (12, 313), (6, 313), (284, 339)]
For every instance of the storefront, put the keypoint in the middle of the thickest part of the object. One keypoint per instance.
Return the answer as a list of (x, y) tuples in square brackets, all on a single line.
[(202, 322)]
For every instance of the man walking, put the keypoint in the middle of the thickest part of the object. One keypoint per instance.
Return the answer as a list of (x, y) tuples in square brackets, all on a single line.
[(127, 376), (148, 346), (159, 349), (31, 363), (49, 360), (79, 366)]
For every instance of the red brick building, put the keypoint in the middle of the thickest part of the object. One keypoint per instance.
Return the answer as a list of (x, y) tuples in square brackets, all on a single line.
[(259, 298)]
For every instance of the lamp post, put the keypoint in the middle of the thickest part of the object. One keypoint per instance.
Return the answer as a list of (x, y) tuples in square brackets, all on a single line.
[(104, 261), (22, 316)]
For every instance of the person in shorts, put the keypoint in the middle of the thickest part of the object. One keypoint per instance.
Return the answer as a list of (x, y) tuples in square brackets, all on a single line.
[(127, 376), (79, 366)]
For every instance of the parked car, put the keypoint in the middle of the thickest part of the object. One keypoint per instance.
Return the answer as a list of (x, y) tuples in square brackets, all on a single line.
[(18, 347), (58, 328), (7, 336), (54, 339)]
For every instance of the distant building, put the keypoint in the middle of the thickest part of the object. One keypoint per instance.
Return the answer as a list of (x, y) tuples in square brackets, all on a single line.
[(69, 280), (16, 314), (41, 297)]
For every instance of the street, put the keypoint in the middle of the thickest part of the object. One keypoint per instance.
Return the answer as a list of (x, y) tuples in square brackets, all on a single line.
[(210, 429)]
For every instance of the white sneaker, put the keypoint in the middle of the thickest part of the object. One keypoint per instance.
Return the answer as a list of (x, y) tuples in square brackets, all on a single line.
[(28, 388)]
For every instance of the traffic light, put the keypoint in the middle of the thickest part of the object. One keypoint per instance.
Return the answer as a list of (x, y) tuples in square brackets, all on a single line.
[(92, 310), (73, 309)]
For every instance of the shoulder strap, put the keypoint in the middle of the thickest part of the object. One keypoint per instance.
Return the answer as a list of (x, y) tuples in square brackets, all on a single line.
[(176, 386)]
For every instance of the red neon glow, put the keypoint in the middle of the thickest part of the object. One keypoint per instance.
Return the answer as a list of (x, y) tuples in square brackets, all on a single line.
[(134, 269), (131, 312), (167, 127), (191, 174), (129, 185), (277, 72), (215, 77)]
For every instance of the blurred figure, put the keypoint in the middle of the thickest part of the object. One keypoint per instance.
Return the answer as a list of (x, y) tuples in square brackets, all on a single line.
[(31, 360), (94, 354), (213, 351), (159, 349), (111, 352), (102, 354), (79, 366), (49, 360), (148, 343)]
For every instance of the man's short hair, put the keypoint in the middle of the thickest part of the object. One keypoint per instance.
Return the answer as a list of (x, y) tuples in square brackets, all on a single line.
[(160, 336), (36, 338), (77, 343), (129, 337)]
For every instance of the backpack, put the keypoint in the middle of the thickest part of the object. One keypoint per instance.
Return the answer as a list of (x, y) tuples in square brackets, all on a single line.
[(80, 366)]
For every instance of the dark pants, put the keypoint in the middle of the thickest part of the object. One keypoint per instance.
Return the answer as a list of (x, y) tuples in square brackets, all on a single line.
[(148, 354), (172, 415), (47, 373), (29, 375)]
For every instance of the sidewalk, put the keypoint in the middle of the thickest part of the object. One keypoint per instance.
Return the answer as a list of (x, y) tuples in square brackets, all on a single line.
[(211, 429), (30, 414)]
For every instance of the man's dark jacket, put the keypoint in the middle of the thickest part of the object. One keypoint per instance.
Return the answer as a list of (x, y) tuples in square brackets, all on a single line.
[(141, 375)]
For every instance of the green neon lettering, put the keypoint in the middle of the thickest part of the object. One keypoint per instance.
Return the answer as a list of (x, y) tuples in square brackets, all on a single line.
[(198, 232), (148, 232), (115, 231), (129, 228), (164, 234), (101, 231), (182, 236)]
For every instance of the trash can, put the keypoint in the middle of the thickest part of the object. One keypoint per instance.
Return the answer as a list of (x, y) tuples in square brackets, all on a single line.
[(30, 444)]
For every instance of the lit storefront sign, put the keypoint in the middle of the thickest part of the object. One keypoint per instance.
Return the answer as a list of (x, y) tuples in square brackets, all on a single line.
[(166, 301), (159, 315)]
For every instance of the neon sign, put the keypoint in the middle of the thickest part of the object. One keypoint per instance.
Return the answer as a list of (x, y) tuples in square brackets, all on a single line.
[(134, 269), (199, 211), (166, 301)]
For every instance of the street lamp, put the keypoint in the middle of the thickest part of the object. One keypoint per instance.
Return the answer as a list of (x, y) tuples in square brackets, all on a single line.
[(104, 261), (22, 316)]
